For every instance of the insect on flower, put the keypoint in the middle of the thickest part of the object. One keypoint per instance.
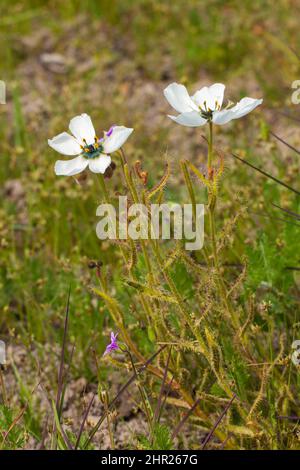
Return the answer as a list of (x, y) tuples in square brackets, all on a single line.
[(205, 105), (113, 345), (90, 150)]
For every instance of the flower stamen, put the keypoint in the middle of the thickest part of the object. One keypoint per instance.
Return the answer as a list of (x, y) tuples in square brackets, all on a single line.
[(92, 150)]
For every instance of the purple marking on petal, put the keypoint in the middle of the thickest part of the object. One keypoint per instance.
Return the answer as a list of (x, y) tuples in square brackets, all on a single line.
[(110, 131)]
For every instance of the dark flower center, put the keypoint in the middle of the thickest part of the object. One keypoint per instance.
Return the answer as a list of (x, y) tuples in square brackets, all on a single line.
[(206, 114), (92, 150)]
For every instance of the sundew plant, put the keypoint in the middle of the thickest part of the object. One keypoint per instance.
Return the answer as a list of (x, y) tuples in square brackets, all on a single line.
[(115, 341)]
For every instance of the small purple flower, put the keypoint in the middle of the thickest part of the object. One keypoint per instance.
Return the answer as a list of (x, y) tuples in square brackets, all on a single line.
[(113, 345)]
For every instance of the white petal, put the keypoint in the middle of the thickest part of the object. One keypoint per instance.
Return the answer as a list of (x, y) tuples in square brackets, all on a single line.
[(216, 92), (71, 167), (201, 97), (191, 119), (99, 164), (245, 106), (179, 98), (210, 97), (65, 143), (82, 128), (222, 117), (117, 138)]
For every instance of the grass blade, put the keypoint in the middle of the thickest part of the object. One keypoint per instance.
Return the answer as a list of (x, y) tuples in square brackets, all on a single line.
[(64, 387), (83, 421), (210, 434), (285, 143), (292, 214), (184, 419), (264, 173), (60, 429), (157, 411), (280, 219), (62, 356)]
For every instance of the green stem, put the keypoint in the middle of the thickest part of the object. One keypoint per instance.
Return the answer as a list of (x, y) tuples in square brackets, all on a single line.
[(109, 426), (191, 192), (4, 396), (210, 146), (176, 294), (103, 187), (145, 401), (189, 186), (144, 302), (211, 214), (135, 197)]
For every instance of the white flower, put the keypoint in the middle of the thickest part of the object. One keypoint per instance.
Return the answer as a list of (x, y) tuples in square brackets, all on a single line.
[(84, 143), (205, 105)]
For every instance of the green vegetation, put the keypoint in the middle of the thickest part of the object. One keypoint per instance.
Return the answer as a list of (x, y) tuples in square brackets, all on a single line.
[(112, 60)]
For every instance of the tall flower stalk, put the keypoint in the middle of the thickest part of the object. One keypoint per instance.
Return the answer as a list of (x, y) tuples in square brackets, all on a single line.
[(212, 202), (205, 107)]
